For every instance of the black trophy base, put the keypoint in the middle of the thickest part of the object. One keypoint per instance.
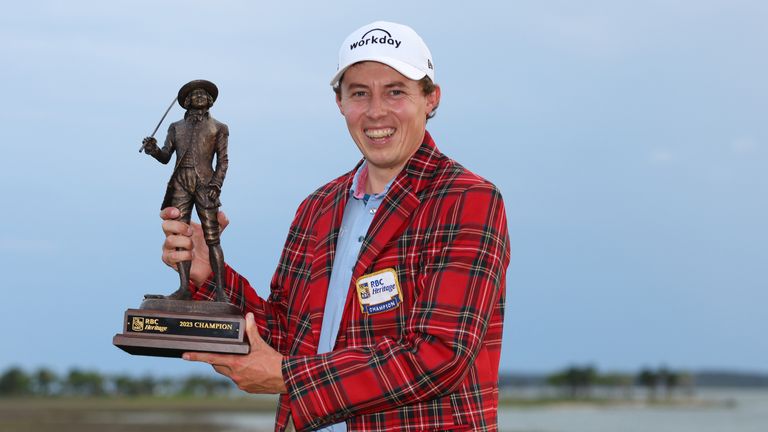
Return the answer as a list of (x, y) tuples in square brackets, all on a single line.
[(168, 328)]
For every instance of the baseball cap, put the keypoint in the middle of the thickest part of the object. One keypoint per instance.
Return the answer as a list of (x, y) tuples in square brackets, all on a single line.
[(395, 45)]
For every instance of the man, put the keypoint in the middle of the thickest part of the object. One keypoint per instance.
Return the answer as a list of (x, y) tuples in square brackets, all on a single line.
[(386, 308), (196, 139)]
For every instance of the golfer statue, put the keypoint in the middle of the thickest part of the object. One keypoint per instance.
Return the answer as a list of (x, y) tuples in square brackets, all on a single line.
[(195, 181)]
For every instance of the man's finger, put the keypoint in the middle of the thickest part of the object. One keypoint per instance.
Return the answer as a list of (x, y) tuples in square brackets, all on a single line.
[(171, 257), (219, 363), (167, 261), (169, 213), (173, 241), (210, 358), (224, 370), (171, 227), (223, 220)]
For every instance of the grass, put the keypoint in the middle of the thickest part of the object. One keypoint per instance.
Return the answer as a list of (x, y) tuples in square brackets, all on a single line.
[(125, 414)]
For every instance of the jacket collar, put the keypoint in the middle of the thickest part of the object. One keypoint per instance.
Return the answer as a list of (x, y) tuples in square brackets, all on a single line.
[(196, 115), (416, 173), (421, 167)]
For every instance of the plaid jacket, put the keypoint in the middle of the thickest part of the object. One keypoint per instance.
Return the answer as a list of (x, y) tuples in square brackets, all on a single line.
[(430, 364)]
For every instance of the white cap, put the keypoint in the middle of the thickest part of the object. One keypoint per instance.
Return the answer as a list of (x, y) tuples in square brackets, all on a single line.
[(395, 45)]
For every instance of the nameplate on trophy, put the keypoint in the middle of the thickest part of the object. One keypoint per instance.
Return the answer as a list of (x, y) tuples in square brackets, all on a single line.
[(169, 333)]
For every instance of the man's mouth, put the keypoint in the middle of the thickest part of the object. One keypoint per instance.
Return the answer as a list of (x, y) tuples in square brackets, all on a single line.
[(379, 133)]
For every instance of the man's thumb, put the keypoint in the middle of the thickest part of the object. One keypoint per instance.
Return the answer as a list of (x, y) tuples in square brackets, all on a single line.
[(252, 330), (223, 220)]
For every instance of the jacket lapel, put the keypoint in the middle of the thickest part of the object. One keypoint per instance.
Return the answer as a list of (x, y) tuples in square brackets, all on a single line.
[(394, 214), (401, 200), (390, 220), (327, 227)]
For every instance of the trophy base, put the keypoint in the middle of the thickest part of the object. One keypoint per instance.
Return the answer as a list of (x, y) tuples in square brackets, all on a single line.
[(168, 328)]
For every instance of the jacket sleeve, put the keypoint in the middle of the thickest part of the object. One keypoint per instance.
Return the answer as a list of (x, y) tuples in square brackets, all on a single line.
[(270, 314), (462, 281)]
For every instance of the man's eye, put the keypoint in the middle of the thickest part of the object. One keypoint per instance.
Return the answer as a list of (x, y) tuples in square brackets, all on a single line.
[(396, 92)]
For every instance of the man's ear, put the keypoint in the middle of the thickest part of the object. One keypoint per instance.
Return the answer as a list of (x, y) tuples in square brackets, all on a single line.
[(338, 102), (433, 99)]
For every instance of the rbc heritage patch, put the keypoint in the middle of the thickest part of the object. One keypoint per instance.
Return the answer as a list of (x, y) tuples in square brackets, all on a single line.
[(379, 292)]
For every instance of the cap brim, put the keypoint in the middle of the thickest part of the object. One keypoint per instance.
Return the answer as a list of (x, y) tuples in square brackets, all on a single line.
[(407, 70)]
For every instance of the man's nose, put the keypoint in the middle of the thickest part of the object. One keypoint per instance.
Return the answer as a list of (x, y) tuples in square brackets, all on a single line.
[(377, 107)]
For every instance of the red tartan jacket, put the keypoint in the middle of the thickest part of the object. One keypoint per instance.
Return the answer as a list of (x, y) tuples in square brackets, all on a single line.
[(430, 364)]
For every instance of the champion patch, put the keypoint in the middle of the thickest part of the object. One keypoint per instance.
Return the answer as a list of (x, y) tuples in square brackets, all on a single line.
[(379, 292)]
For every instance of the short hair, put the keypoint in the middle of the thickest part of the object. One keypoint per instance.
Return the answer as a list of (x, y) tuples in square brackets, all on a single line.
[(427, 88)]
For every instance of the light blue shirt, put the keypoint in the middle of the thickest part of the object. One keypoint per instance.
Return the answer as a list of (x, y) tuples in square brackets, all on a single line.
[(358, 215)]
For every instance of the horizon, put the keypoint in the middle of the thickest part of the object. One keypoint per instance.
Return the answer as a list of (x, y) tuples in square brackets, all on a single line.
[(502, 374)]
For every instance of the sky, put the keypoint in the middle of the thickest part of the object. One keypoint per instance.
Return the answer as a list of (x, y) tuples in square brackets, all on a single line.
[(628, 139)]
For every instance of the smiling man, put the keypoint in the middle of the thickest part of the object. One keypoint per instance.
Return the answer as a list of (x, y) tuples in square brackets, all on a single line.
[(386, 308)]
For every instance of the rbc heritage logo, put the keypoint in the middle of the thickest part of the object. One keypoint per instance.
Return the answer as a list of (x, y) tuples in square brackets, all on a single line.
[(365, 293), (384, 38)]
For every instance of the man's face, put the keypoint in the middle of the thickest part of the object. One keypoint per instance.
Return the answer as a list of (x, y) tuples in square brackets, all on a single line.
[(198, 99), (386, 113)]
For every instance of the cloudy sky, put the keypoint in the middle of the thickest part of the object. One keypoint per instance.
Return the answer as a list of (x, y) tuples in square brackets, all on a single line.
[(628, 138)]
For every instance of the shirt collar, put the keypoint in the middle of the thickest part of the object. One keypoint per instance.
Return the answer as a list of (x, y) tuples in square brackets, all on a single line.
[(357, 190)]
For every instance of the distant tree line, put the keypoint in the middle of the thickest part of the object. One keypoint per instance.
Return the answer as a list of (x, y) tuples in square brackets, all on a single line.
[(579, 381), (573, 382), (44, 382)]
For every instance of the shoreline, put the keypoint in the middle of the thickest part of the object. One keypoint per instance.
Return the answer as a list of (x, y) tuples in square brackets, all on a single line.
[(268, 403)]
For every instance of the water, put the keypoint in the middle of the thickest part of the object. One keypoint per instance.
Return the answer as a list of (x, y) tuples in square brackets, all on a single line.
[(732, 411), (728, 411)]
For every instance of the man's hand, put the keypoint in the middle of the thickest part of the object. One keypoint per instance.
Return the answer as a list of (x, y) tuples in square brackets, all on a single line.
[(150, 145), (256, 372), (185, 242)]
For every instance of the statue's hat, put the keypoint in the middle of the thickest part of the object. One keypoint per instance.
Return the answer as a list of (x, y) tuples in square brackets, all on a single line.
[(191, 86)]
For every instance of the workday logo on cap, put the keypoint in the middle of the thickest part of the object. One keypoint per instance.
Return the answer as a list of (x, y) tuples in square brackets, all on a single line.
[(376, 36), (395, 45)]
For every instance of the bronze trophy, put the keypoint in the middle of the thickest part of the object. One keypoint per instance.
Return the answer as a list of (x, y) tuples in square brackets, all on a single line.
[(169, 325)]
